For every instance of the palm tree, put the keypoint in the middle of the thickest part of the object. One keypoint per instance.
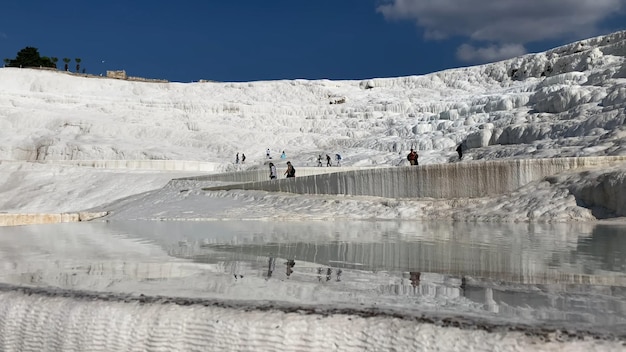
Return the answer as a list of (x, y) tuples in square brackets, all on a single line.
[(67, 61), (54, 61), (77, 64)]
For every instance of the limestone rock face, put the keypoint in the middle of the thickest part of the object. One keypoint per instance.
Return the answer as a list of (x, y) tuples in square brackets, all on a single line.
[(479, 139), (602, 190)]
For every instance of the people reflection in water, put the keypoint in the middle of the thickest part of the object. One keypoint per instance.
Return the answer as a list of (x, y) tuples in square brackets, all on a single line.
[(329, 273), (290, 264), (271, 265), (414, 276)]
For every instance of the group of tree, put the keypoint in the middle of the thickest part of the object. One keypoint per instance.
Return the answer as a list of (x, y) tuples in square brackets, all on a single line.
[(29, 57)]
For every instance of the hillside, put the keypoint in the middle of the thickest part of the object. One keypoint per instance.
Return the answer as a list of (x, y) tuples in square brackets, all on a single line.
[(568, 101)]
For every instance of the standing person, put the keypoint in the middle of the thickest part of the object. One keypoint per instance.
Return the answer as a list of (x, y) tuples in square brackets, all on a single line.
[(319, 160), (237, 159), (328, 161), (283, 155), (272, 171), (338, 159), (412, 157), (267, 153), (459, 150), (243, 158), (291, 171)]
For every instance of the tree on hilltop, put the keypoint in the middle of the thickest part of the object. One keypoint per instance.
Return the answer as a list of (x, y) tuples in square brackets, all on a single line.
[(29, 57), (54, 61), (77, 64), (67, 61)]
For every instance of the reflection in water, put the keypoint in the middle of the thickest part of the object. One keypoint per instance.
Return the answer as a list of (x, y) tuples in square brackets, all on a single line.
[(551, 273), (271, 266), (606, 247), (329, 273), (290, 264), (415, 278)]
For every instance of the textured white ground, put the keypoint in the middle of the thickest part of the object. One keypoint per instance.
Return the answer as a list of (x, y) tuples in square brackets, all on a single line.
[(570, 101), (193, 328), (565, 102)]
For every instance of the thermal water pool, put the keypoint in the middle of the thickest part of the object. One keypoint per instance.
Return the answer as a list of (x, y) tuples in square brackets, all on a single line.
[(495, 278)]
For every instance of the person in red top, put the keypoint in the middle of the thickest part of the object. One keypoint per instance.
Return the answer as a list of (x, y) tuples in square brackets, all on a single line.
[(412, 157)]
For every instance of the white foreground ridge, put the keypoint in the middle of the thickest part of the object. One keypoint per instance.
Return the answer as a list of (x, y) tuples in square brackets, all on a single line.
[(100, 322)]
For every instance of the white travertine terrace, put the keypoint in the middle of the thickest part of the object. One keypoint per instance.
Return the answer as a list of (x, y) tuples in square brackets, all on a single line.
[(457, 180)]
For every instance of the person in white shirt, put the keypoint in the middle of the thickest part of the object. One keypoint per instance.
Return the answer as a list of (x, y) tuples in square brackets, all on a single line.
[(272, 171)]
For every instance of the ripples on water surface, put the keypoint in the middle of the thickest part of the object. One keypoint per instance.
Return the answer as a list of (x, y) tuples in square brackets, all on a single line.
[(534, 275)]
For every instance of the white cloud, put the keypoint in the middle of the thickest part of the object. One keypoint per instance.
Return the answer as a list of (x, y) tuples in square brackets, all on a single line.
[(503, 21), (469, 53)]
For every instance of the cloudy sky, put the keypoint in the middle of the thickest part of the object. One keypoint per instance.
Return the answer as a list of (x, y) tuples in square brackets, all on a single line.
[(249, 40)]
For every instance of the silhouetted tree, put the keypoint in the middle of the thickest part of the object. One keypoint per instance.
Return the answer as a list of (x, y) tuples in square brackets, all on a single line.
[(7, 62), (29, 57), (46, 62), (54, 61), (67, 61), (77, 64)]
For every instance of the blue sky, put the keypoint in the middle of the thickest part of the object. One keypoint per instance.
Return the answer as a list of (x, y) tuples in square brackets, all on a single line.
[(248, 40)]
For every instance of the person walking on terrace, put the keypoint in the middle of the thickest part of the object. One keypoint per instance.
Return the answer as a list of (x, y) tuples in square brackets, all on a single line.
[(459, 150), (412, 157), (328, 161), (291, 171), (319, 160), (272, 171)]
